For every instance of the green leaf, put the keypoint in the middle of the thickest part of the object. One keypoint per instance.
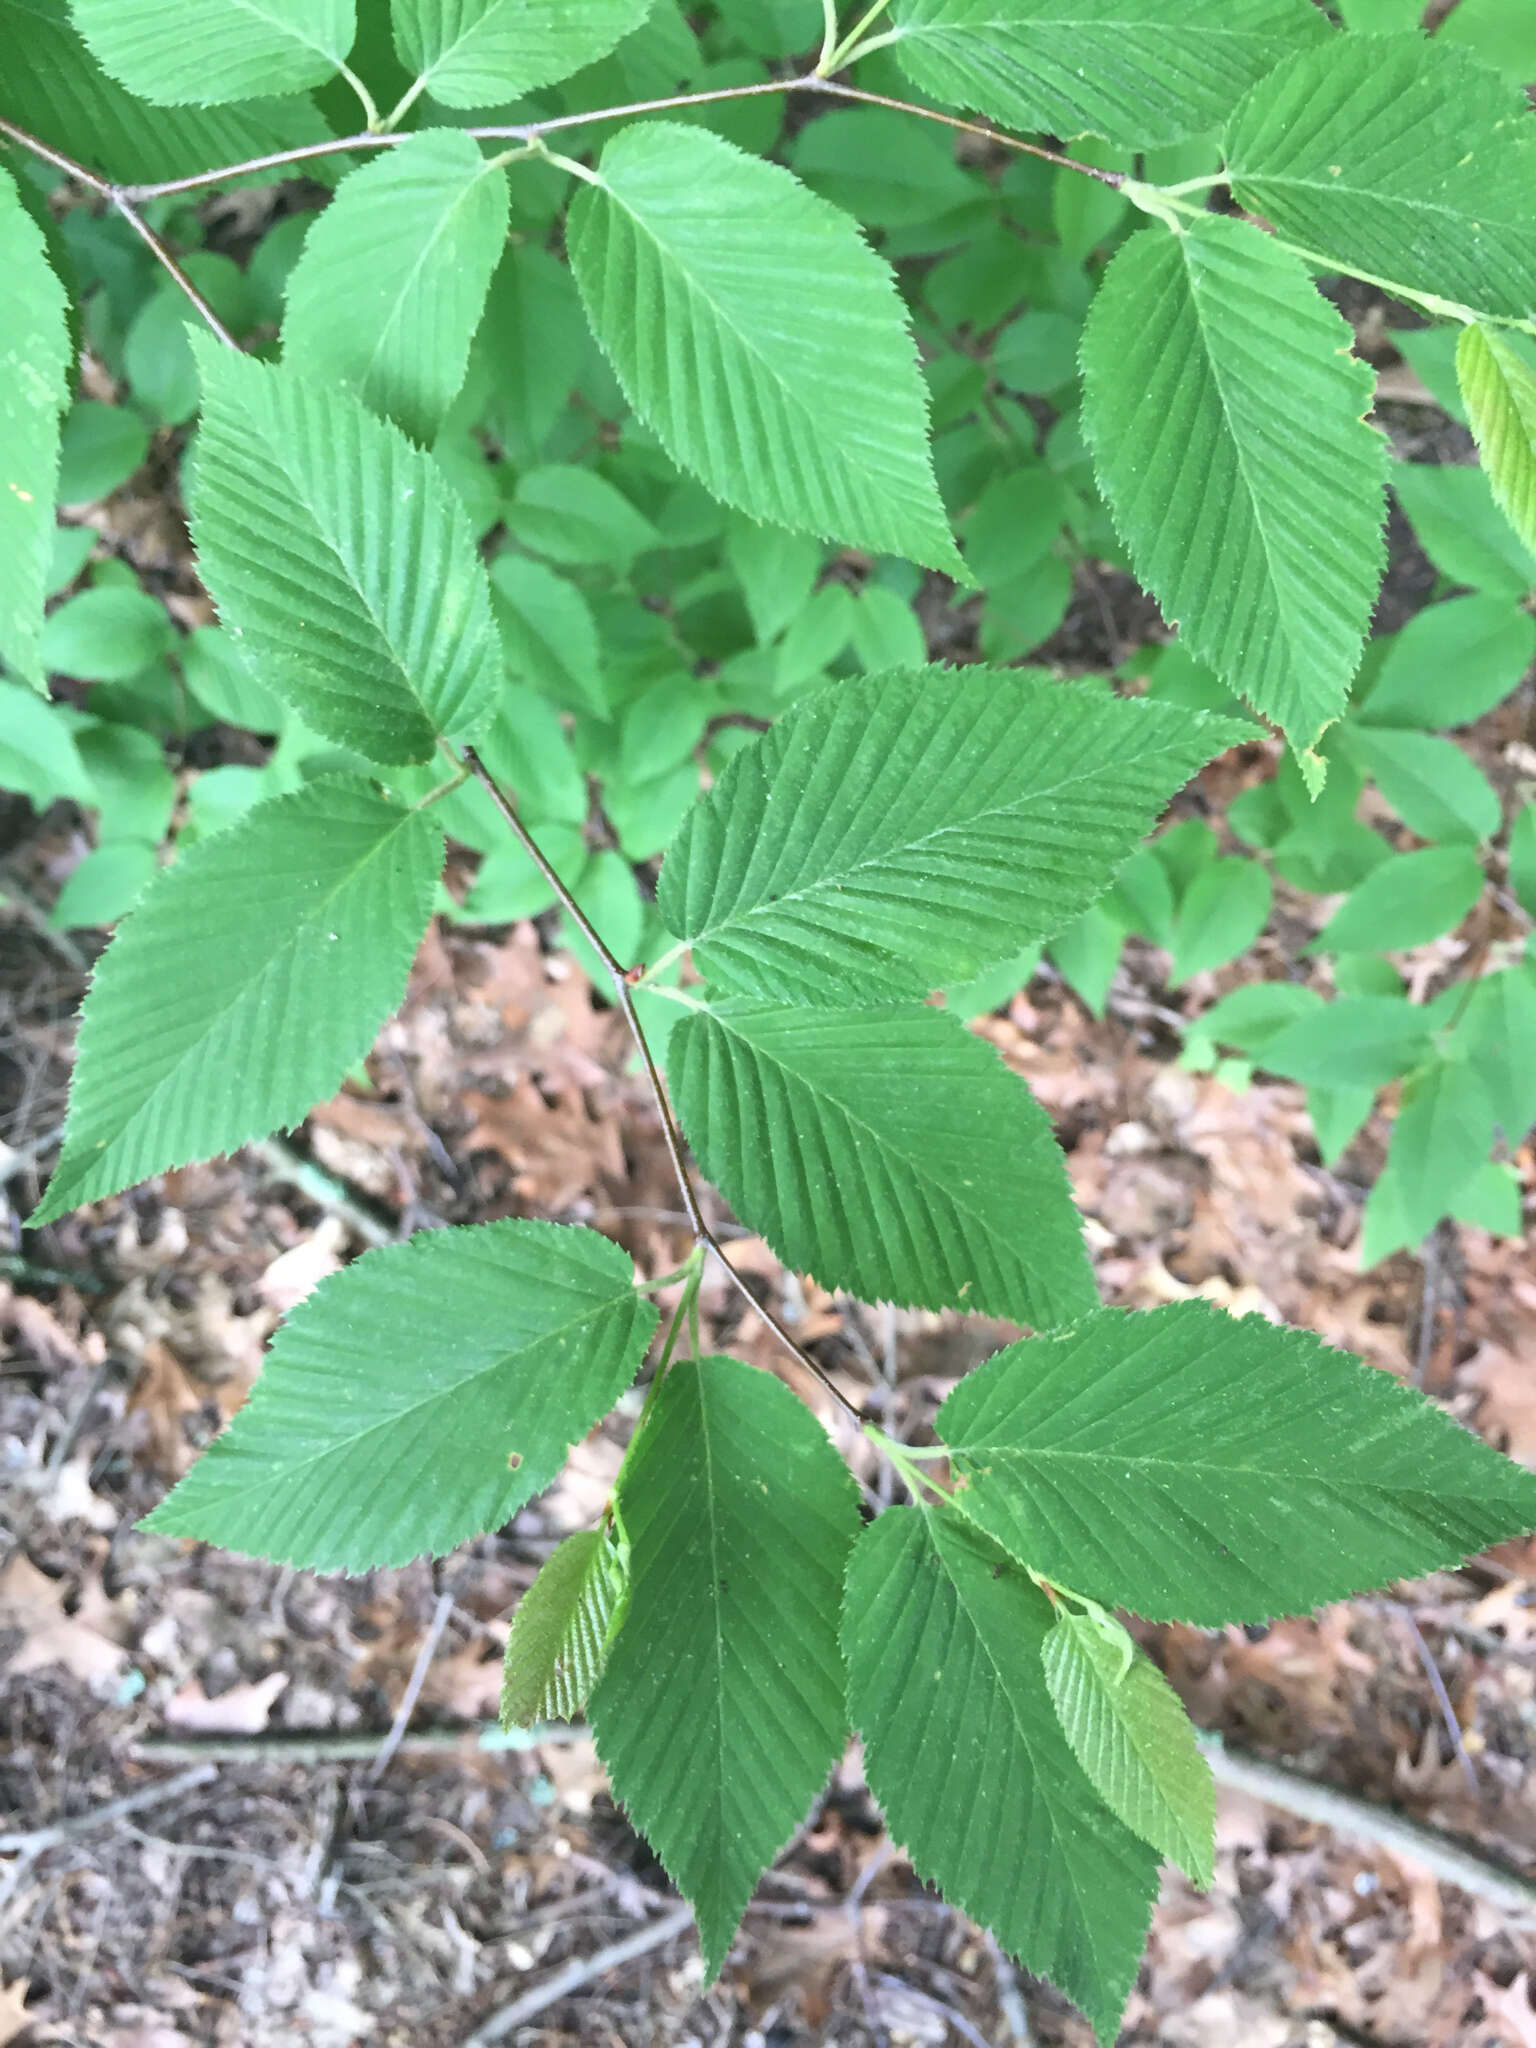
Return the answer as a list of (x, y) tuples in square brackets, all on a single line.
[(34, 390), (1437, 790), (1338, 1115), (1409, 900), (1140, 72), (1277, 1474), (106, 635), (38, 755), (253, 975), (1500, 390), (100, 447), (1088, 952), (342, 559), (1129, 1731), (548, 634), (1356, 1042), (900, 832), (52, 86), (1450, 507), (1226, 417), (474, 53), (563, 1629), (1440, 1139), (1452, 662), (204, 52), (740, 1516), (106, 885), (1251, 1016), (962, 1747), (689, 255), (577, 517), (1491, 1200), (1521, 858), (419, 1397), (1496, 1032), (1397, 156), (389, 290), (777, 572), (885, 1151), (1222, 913)]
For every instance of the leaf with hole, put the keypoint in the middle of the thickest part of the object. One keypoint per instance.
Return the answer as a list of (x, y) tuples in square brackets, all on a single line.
[(250, 979), (342, 560), (962, 1747), (1226, 417), (1277, 1474), (885, 1151), (419, 1397), (762, 340), (901, 832), (739, 1516)]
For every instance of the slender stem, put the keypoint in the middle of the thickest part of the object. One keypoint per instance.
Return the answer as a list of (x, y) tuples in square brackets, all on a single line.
[(623, 990), (370, 111), (880, 99), (849, 45), (278, 160), (163, 256), (403, 105), (661, 963), (56, 157), (829, 35), (565, 163)]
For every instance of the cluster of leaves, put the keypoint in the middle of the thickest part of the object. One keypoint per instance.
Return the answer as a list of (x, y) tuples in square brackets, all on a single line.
[(580, 515)]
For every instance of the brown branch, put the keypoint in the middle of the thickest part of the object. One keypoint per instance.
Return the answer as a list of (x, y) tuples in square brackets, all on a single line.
[(624, 995), (533, 131), (122, 199)]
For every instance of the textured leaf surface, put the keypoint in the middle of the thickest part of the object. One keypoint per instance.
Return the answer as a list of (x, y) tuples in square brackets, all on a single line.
[(1500, 392), (476, 52), (1136, 71), (561, 1633), (887, 1152), (34, 366), (1196, 1467), (1398, 156), (343, 560), (963, 1750), (1128, 1729), (893, 835), (252, 975), (756, 332), (393, 278), (722, 1709), (203, 52), (419, 1397), (52, 86), (1225, 414)]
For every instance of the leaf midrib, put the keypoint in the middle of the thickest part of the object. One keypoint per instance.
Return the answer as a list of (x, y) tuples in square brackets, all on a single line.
[(1183, 1470), (412, 277), (501, 1363), (834, 878), (1442, 213), (237, 993), (878, 1138), (1047, 1786), (294, 30)]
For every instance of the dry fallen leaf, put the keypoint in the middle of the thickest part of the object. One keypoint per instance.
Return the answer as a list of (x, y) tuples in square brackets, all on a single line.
[(14, 2017), (243, 1710), (34, 1604)]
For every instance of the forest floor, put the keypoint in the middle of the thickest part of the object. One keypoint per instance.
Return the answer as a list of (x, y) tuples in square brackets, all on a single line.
[(245, 1807)]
